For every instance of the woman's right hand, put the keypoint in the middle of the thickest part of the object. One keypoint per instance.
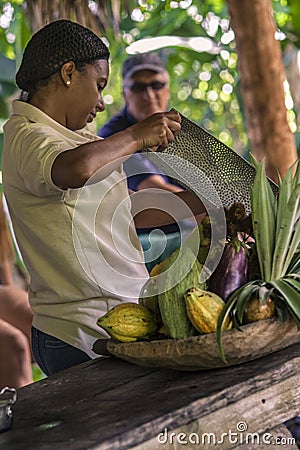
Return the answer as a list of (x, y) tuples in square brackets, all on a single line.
[(72, 168), (157, 130)]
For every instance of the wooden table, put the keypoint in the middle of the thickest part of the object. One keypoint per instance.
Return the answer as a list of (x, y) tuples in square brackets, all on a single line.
[(111, 404)]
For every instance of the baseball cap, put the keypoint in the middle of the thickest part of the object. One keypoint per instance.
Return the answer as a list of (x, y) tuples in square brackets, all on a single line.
[(142, 61)]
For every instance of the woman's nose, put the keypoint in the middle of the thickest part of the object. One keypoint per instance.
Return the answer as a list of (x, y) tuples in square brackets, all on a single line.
[(100, 107)]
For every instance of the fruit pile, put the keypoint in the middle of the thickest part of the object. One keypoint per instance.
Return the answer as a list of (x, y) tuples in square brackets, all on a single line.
[(257, 277), (183, 310)]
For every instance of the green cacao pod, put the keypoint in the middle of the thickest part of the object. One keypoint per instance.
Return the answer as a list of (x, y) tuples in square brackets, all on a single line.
[(184, 272), (149, 298)]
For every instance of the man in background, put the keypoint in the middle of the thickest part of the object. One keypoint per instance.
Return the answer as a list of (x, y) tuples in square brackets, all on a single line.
[(146, 91)]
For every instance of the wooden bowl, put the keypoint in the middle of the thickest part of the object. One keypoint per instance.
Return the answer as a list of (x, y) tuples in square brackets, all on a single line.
[(201, 353)]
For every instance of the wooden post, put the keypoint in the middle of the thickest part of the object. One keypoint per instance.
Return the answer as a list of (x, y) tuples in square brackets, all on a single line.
[(262, 76)]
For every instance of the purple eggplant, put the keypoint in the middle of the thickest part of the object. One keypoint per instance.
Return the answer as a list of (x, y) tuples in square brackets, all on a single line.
[(231, 272)]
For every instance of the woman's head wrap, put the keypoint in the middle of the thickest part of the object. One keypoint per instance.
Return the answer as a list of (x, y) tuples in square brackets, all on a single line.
[(54, 45)]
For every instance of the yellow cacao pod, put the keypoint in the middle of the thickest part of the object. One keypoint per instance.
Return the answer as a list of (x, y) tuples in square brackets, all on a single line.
[(121, 338), (203, 310), (259, 310), (127, 322)]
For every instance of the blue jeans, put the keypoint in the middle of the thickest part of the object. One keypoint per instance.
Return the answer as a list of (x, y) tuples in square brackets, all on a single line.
[(54, 355)]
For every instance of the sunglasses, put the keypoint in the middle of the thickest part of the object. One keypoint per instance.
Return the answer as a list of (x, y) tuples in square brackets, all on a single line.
[(142, 87)]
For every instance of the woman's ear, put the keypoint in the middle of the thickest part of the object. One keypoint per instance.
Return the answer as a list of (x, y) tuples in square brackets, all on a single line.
[(66, 72)]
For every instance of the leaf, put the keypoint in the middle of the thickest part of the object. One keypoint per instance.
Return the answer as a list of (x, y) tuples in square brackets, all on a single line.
[(296, 179), (229, 307), (246, 292), (225, 314), (264, 293), (282, 311), (263, 219), (293, 249), (285, 189), (282, 257), (291, 297), (295, 263), (254, 160), (293, 283)]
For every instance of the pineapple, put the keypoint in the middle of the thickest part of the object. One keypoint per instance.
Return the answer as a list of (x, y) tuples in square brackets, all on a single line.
[(276, 230)]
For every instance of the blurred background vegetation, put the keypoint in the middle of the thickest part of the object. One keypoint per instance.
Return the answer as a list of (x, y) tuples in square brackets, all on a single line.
[(193, 37)]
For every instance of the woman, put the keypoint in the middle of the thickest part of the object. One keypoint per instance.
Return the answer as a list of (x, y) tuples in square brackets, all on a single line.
[(67, 193)]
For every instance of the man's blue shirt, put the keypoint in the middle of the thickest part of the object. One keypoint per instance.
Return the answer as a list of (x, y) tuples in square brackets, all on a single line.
[(137, 167)]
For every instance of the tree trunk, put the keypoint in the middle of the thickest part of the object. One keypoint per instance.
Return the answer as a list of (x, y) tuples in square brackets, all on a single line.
[(262, 76)]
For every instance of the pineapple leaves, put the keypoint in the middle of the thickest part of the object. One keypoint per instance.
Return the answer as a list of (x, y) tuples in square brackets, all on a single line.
[(294, 283), (290, 295), (234, 307), (263, 203), (254, 161), (285, 188), (225, 314), (294, 266), (276, 225), (244, 297), (288, 235), (276, 231)]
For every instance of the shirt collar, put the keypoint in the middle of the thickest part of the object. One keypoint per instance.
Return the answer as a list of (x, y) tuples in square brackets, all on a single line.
[(35, 114)]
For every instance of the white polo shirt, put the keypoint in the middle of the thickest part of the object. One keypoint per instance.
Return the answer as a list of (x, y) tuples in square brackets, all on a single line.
[(79, 245)]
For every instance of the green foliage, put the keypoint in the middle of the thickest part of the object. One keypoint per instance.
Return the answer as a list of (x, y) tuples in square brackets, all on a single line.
[(293, 22), (14, 34), (7, 84), (204, 86), (14, 29), (37, 373)]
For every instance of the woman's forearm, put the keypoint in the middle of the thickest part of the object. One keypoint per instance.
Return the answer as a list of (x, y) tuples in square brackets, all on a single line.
[(73, 168)]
